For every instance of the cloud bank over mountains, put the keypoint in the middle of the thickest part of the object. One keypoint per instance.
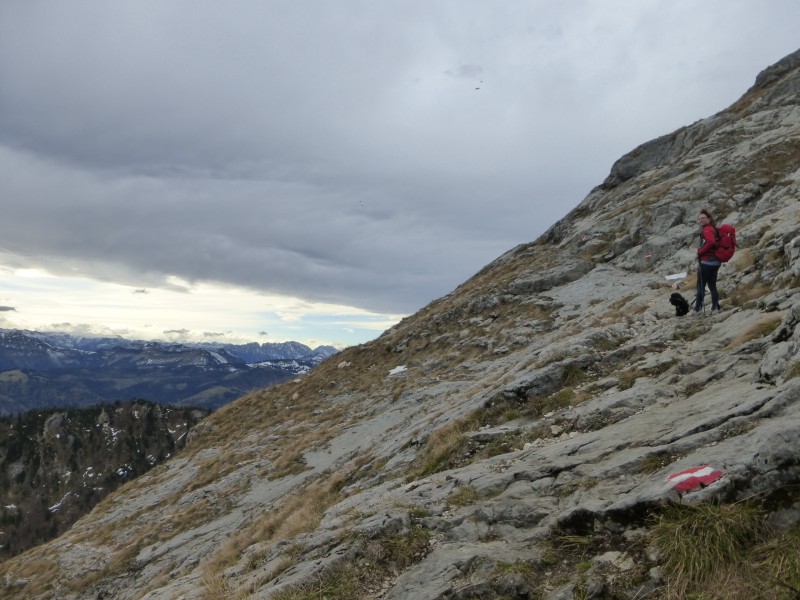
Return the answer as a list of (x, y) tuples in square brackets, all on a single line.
[(357, 154)]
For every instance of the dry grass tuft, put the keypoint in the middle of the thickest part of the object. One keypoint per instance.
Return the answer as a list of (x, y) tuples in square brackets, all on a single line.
[(757, 330), (216, 587), (703, 545), (443, 445), (744, 259), (746, 294), (300, 513)]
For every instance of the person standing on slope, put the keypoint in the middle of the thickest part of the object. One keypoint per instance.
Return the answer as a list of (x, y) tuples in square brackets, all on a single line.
[(709, 264)]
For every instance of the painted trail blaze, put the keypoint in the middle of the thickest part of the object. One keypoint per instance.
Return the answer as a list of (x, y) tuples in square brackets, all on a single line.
[(695, 477)]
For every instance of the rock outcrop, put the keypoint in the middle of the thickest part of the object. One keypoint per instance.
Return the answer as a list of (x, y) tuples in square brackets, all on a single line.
[(544, 413)]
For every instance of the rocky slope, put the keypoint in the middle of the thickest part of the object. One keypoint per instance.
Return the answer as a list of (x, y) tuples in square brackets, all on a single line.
[(515, 438)]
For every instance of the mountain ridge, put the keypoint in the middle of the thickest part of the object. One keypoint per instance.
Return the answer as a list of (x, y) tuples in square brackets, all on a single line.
[(41, 370), (521, 436)]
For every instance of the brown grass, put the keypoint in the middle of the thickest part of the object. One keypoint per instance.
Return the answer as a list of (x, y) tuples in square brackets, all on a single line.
[(442, 446), (40, 573), (757, 330), (743, 259), (299, 513)]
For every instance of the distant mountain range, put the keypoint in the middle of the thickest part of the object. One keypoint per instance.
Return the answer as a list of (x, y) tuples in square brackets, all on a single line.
[(47, 370)]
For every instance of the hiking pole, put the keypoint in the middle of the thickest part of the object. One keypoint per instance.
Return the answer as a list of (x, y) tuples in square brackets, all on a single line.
[(701, 288)]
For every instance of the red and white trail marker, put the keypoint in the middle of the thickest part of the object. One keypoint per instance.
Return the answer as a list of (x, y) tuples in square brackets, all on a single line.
[(696, 477)]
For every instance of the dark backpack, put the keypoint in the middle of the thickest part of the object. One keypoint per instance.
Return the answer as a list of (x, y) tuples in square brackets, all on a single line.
[(726, 243)]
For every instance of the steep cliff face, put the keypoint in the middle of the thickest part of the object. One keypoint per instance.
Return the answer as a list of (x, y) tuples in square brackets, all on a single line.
[(516, 438), (55, 465)]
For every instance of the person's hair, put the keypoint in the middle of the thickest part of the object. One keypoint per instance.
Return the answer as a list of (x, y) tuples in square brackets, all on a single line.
[(710, 218)]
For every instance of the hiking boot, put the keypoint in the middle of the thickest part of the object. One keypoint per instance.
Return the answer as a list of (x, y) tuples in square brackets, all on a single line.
[(715, 310), (695, 313)]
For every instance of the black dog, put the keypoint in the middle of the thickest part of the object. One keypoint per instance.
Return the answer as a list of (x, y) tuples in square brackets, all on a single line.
[(680, 304)]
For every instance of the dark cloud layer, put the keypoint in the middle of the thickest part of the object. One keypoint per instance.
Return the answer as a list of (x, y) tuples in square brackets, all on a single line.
[(339, 154)]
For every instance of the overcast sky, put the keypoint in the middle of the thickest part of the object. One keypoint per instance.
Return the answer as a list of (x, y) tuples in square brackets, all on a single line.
[(311, 170)]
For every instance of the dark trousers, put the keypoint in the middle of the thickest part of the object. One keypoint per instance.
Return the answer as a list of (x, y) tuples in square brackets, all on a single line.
[(707, 276)]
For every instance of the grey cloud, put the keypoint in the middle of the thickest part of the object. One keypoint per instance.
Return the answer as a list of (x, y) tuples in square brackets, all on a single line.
[(466, 72), (7, 309), (338, 155)]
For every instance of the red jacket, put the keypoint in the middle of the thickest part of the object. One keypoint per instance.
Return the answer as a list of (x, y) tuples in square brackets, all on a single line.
[(709, 239)]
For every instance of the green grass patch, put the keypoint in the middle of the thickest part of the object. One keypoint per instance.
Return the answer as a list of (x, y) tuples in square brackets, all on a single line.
[(705, 547)]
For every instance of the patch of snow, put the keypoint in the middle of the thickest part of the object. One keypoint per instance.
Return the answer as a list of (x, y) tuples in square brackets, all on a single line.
[(221, 359), (58, 504), (397, 370), (676, 276)]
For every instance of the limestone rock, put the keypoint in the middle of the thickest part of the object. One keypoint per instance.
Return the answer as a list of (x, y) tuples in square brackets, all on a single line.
[(477, 473)]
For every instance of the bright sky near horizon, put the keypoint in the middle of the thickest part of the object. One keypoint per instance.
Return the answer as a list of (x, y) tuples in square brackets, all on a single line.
[(272, 171)]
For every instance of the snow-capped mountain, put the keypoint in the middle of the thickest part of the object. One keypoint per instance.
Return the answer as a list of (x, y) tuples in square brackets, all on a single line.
[(39, 370)]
